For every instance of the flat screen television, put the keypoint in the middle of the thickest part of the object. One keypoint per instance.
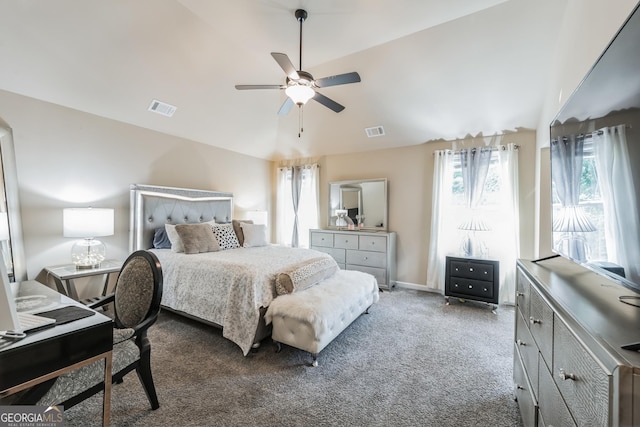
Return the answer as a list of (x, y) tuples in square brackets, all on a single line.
[(595, 164)]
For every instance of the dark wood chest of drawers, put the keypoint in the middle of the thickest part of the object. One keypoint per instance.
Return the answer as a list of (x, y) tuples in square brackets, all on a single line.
[(472, 278)]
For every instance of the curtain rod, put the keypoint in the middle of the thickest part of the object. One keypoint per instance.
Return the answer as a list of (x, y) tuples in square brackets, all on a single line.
[(588, 135), (473, 149)]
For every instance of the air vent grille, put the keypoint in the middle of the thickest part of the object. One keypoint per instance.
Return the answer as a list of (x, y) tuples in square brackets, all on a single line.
[(374, 131), (162, 108)]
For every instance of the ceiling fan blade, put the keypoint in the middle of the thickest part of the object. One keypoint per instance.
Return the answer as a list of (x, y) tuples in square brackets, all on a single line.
[(249, 87), (329, 103), (286, 107), (286, 64), (340, 79)]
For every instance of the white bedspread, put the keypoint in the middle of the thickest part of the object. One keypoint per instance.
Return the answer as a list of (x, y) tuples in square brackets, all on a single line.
[(227, 287)]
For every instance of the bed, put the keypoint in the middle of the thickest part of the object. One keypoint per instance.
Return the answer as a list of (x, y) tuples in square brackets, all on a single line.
[(230, 289)]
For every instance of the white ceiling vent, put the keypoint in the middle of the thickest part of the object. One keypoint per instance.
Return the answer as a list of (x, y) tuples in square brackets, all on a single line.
[(162, 108), (374, 131)]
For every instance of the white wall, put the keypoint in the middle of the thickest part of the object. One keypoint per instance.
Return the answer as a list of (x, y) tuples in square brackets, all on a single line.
[(67, 158)]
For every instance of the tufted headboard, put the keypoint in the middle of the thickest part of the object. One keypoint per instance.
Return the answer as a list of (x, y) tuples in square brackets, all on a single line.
[(152, 207)]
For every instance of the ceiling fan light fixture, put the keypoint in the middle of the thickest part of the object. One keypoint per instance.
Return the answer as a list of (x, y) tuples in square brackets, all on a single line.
[(300, 94)]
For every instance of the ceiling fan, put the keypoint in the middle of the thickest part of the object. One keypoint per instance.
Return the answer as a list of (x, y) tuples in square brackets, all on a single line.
[(300, 86)]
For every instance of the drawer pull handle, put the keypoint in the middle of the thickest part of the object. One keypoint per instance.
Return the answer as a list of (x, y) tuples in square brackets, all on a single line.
[(564, 376), (519, 387), (519, 294), (470, 268), (520, 342), (535, 321)]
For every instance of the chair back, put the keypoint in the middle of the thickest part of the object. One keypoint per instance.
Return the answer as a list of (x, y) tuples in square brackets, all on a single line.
[(138, 291)]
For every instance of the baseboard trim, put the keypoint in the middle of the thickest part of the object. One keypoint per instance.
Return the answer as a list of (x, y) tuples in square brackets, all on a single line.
[(416, 287)]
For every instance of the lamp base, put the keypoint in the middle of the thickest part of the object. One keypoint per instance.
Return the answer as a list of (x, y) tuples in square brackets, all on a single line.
[(88, 253)]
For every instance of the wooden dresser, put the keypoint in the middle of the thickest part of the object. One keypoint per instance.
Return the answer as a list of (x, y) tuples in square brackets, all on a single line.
[(371, 252), (569, 368)]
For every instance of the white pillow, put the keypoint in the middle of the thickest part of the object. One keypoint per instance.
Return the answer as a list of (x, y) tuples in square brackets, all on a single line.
[(254, 234), (174, 238)]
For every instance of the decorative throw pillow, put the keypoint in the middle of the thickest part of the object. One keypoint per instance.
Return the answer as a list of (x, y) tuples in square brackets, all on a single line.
[(176, 243), (160, 239), (305, 274), (238, 230), (254, 234), (197, 238), (226, 237)]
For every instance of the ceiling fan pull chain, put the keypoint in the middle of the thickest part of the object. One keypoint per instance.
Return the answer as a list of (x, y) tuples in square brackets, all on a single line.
[(300, 121)]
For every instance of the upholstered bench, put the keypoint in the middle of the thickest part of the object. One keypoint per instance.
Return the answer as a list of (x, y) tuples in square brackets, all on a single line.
[(309, 319)]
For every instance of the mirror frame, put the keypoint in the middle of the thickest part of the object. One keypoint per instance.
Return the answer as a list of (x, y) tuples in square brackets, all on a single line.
[(10, 178), (351, 183)]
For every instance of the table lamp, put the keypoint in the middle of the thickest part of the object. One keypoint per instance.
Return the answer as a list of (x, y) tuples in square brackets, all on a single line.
[(572, 222), (472, 244), (341, 220), (87, 223)]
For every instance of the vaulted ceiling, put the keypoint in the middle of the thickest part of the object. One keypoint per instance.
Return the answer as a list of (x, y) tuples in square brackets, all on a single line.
[(430, 69)]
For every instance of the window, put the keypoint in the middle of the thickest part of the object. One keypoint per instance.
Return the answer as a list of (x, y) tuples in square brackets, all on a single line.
[(289, 231)]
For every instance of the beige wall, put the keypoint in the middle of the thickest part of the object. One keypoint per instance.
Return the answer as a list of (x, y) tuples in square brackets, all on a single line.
[(409, 172), (67, 158)]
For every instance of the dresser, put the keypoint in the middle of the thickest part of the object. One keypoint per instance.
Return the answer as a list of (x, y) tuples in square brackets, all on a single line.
[(370, 252), (472, 278), (569, 368)]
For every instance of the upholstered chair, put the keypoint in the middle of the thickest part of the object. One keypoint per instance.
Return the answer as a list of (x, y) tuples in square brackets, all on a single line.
[(136, 304)]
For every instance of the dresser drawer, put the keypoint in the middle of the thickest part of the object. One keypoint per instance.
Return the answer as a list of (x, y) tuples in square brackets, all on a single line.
[(523, 294), (472, 270), (468, 287), (379, 273), (583, 383), (552, 407), (373, 243), (370, 259), (523, 392), (528, 351), (322, 239), (338, 254), (345, 241), (541, 326)]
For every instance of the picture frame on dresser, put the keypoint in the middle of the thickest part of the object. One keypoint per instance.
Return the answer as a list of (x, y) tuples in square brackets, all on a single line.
[(372, 252)]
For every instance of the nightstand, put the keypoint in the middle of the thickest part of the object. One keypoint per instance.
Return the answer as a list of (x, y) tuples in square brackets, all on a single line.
[(472, 278), (64, 276)]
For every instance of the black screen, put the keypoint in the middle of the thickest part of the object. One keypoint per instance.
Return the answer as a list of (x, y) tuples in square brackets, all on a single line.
[(595, 164)]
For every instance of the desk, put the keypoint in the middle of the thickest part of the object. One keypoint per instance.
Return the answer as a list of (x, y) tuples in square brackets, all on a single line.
[(51, 352), (63, 275)]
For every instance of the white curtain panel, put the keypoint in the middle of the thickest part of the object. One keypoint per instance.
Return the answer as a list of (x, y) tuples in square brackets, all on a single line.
[(614, 176), (307, 205), (506, 246), (441, 242)]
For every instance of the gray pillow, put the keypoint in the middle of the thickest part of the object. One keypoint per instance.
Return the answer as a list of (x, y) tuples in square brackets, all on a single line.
[(197, 238), (238, 229)]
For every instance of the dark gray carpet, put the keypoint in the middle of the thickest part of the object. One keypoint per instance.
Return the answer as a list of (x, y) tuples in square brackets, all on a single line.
[(413, 361)]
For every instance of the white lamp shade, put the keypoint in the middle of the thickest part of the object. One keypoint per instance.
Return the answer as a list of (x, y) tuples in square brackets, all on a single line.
[(300, 94), (87, 222)]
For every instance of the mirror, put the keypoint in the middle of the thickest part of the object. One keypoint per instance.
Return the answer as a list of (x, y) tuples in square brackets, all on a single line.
[(11, 244), (362, 203)]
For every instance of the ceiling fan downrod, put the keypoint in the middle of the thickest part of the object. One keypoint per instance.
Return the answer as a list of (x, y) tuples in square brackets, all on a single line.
[(301, 15)]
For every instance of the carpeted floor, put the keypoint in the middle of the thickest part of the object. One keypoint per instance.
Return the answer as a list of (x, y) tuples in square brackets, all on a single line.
[(413, 361)]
